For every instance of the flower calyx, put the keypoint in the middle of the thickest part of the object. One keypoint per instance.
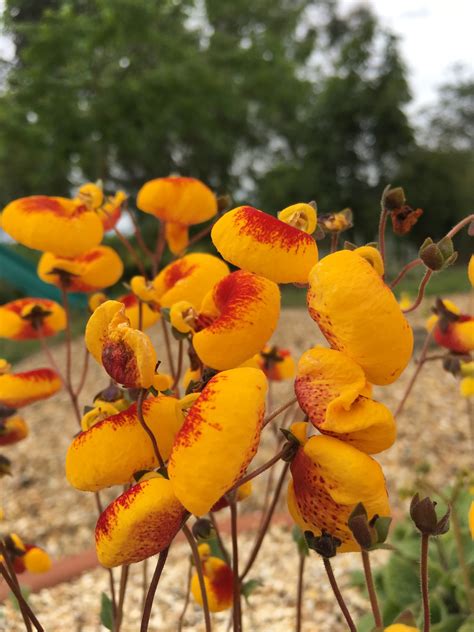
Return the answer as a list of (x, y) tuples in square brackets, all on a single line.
[(203, 529), (290, 447), (325, 544), (369, 534), (423, 514), (438, 256)]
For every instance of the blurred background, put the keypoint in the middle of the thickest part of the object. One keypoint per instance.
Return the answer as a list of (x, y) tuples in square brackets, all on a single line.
[(271, 101)]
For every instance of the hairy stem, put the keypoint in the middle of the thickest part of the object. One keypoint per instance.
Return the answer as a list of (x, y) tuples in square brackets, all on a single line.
[(199, 570), (338, 595), (421, 292), (122, 590), (237, 611), (414, 377), (147, 429), (152, 589), (131, 250), (369, 580), (409, 266), (425, 540), (299, 594)]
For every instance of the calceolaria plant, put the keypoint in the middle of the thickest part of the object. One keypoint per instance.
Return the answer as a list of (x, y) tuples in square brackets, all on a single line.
[(179, 444)]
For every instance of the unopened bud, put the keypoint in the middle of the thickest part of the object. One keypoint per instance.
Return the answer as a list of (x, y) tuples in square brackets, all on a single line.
[(423, 514), (394, 198), (437, 256)]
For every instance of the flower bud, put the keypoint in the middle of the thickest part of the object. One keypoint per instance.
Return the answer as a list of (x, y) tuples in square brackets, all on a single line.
[(423, 514), (202, 529), (369, 534), (394, 198), (437, 256)]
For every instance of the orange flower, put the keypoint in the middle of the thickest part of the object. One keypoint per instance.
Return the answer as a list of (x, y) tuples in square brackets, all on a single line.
[(329, 478), (243, 492), (276, 363), (332, 390), (261, 243), (12, 430), (359, 315), (88, 272), (111, 451), (215, 426), (29, 318), (189, 278), (20, 389), (64, 227), (180, 202), (149, 315), (451, 329), (108, 208), (126, 354), (218, 581), (239, 316), (138, 524)]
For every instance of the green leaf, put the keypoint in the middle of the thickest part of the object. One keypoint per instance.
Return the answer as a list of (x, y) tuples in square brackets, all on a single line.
[(249, 587), (106, 611), (298, 537), (401, 581), (451, 623)]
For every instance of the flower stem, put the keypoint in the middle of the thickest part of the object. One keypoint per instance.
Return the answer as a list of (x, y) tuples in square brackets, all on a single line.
[(147, 429), (278, 411), (199, 570), (122, 590), (159, 248), (11, 570), (166, 336), (152, 589), (299, 596), (186, 599), (409, 266), (12, 582), (222, 546), (425, 539), (131, 251), (383, 224), (419, 366), (237, 606), (179, 366), (85, 369), (266, 523), (369, 580), (338, 595), (258, 471), (334, 242), (421, 292), (460, 225), (67, 378)]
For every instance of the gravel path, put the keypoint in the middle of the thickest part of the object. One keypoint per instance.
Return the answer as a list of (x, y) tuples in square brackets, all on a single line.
[(42, 507)]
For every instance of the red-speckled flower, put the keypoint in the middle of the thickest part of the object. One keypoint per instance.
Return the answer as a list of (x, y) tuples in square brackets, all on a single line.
[(111, 451), (138, 524), (218, 581), (30, 318), (20, 389), (216, 425), (239, 316), (64, 227), (359, 315), (261, 243), (180, 202), (332, 390), (451, 329), (329, 478), (189, 279), (12, 430), (88, 272), (126, 354)]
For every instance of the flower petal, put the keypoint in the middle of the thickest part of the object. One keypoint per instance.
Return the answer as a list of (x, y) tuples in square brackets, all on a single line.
[(20, 389)]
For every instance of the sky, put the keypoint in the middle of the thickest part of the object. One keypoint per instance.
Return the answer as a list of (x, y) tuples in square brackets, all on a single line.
[(434, 35)]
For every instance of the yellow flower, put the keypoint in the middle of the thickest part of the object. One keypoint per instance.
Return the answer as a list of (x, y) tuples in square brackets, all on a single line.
[(162, 381), (95, 300), (215, 427), (138, 524), (98, 413), (302, 216), (471, 519), (29, 318), (276, 363), (467, 387), (90, 271), (36, 560), (92, 195), (239, 316), (144, 290), (218, 581), (64, 227), (183, 316), (180, 202), (330, 388), (451, 329), (470, 270), (126, 354), (401, 627), (20, 389), (108, 208), (150, 313), (12, 430), (261, 243), (189, 279), (111, 451), (359, 315), (329, 478)]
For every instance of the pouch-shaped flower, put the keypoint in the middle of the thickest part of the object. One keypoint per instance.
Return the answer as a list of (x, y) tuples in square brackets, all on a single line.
[(26, 387), (218, 581), (31, 318), (332, 390), (113, 450), (258, 242), (359, 315), (12, 430), (90, 271), (242, 311), (218, 438), (329, 478), (140, 523), (54, 224)]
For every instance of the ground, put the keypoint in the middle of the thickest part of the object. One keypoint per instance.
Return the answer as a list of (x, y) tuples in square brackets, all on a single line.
[(42, 507)]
